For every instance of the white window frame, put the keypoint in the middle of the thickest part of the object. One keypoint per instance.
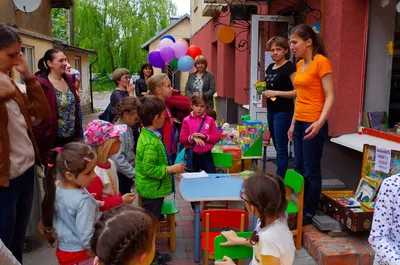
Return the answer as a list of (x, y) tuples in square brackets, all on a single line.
[(31, 64)]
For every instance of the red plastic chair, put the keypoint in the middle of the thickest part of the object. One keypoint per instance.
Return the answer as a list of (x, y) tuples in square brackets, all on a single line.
[(219, 219)]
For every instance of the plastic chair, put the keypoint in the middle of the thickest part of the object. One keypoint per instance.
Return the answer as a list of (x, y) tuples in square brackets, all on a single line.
[(170, 209), (266, 142), (219, 219), (294, 181), (233, 252), (222, 160)]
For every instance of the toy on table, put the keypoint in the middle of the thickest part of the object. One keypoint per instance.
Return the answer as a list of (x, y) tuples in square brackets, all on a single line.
[(348, 202), (247, 173), (261, 87), (368, 206), (245, 117)]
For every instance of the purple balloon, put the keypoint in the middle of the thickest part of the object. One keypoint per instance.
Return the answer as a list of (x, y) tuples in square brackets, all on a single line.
[(167, 54), (180, 49), (156, 60), (165, 43)]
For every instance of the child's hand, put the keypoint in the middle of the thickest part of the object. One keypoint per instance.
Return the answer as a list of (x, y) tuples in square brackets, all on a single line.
[(177, 168), (225, 261), (200, 135), (128, 198), (231, 237), (199, 141)]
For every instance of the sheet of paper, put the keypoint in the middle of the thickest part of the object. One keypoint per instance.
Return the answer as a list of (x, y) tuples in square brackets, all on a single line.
[(382, 159), (195, 175)]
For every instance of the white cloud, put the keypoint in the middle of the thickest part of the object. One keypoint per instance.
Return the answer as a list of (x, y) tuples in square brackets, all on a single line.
[(183, 6)]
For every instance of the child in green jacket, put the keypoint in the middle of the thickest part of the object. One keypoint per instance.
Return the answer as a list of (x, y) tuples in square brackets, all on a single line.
[(153, 172)]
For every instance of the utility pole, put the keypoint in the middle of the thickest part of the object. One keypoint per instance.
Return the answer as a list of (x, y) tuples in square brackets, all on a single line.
[(71, 27)]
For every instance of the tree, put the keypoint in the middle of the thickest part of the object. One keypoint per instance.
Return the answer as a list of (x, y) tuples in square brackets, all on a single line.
[(58, 16), (117, 28)]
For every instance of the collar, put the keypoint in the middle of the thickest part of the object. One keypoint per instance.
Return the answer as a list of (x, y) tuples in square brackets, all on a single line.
[(194, 116), (158, 134)]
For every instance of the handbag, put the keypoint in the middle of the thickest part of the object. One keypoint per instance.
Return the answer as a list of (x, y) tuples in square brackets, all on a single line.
[(189, 151), (107, 114)]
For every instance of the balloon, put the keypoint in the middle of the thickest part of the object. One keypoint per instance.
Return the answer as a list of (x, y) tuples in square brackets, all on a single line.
[(174, 63), (165, 43), (185, 41), (156, 60), (226, 34), (193, 51), (398, 7), (180, 49), (185, 63), (167, 54), (168, 37)]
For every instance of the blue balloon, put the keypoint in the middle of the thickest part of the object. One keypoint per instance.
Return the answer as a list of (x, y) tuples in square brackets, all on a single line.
[(185, 63), (168, 37)]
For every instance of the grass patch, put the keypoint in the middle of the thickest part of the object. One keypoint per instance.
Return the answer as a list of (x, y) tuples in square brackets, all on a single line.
[(103, 86)]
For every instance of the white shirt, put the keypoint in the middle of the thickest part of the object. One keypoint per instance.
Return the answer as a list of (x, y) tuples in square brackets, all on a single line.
[(22, 154), (6, 257), (275, 240), (109, 178)]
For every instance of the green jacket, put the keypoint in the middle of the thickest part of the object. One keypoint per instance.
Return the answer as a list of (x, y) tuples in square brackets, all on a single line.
[(152, 178)]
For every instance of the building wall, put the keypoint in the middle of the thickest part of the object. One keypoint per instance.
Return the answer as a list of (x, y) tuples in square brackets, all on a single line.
[(38, 21), (180, 31), (196, 15)]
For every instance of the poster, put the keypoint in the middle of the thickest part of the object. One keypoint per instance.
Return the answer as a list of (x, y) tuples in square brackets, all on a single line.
[(382, 159)]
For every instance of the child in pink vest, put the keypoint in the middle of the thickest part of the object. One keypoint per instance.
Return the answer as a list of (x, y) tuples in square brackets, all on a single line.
[(201, 139)]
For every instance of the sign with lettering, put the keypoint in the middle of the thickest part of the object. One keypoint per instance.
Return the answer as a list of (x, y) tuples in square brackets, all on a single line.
[(382, 159)]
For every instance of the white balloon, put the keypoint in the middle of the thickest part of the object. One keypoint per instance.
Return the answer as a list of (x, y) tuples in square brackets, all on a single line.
[(165, 43), (398, 7)]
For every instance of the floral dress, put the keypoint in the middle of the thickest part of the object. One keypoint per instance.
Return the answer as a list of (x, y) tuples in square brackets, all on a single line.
[(198, 85), (66, 113)]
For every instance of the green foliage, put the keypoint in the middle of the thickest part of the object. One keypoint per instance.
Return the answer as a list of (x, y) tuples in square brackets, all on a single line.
[(58, 17), (117, 28), (103, 85)]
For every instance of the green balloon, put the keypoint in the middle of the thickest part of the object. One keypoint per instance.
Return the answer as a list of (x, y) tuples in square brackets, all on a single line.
[(174, 63)]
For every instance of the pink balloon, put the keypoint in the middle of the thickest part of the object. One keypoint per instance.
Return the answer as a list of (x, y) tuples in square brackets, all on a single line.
[(165, 43), (167, 54), (180, 49)]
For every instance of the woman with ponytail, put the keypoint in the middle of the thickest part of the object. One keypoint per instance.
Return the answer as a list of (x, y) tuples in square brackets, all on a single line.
[(18, 151), (64, 124), (69, 212), (315, 97)]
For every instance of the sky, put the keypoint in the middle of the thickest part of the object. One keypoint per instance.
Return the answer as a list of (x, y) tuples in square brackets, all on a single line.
[(183, 6)]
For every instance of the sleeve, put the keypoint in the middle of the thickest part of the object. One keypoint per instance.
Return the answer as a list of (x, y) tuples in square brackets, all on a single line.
[(37, 102), (6, 257), (185, 132), (85, 220), (268, 247), (188, 90), (324, 66), (213, 137), (7, 90), (122, 164), (96, 189), (151, 164), (291, 68), (210, 92), (383, 225), (115, 99)]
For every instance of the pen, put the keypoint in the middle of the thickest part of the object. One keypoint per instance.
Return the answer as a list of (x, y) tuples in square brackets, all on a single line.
[(217, 177)]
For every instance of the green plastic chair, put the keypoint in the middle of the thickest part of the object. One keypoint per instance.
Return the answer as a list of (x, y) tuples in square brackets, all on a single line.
[(233, 252), (222, 160), (170, 209), (294, 181)]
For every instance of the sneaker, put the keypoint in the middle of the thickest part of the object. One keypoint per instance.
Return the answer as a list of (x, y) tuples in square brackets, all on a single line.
[(163, 257), (158, 262)]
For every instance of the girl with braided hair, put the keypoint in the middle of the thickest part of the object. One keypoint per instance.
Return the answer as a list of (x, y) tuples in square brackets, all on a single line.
[(69, 212), (125, 235), (124, 160), (272, 241)]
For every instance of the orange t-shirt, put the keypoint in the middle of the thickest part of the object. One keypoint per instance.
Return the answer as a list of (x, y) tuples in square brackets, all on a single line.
[(310, 98)]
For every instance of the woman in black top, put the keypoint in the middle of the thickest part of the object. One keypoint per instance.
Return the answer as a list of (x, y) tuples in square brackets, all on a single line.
[(280, 94), (146, 71)]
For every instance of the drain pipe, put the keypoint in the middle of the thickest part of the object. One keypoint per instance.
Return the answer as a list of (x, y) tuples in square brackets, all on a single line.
[(91, 83)]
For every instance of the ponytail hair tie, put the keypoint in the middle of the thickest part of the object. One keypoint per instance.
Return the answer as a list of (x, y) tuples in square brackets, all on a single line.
[(50, 165), (58, 149)]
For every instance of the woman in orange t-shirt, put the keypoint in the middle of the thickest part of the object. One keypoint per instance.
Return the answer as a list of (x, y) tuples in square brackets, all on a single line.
[(315, 97)]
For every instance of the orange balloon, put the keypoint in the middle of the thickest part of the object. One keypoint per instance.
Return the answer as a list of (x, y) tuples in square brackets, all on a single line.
[(185, 41), (226, 34)]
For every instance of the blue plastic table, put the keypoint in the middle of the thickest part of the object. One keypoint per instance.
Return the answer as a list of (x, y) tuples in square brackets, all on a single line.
[(218, 187)]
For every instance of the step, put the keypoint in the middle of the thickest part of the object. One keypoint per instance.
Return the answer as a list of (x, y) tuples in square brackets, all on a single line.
[(328, 250)]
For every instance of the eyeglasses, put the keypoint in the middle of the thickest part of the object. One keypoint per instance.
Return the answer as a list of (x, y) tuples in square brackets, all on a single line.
[(243, 197)]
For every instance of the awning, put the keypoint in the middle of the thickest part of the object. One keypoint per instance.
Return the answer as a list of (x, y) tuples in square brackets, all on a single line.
[(356, 141)]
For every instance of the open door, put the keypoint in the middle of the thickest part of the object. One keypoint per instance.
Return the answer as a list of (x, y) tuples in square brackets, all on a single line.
[(263, 27)]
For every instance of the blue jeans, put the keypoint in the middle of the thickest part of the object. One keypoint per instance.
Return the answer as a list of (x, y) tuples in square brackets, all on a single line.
[(15, 209), (279, 124), (307, 162)]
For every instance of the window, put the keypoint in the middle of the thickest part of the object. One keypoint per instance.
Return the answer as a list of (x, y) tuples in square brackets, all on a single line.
[(78, 66), (29, 53)]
